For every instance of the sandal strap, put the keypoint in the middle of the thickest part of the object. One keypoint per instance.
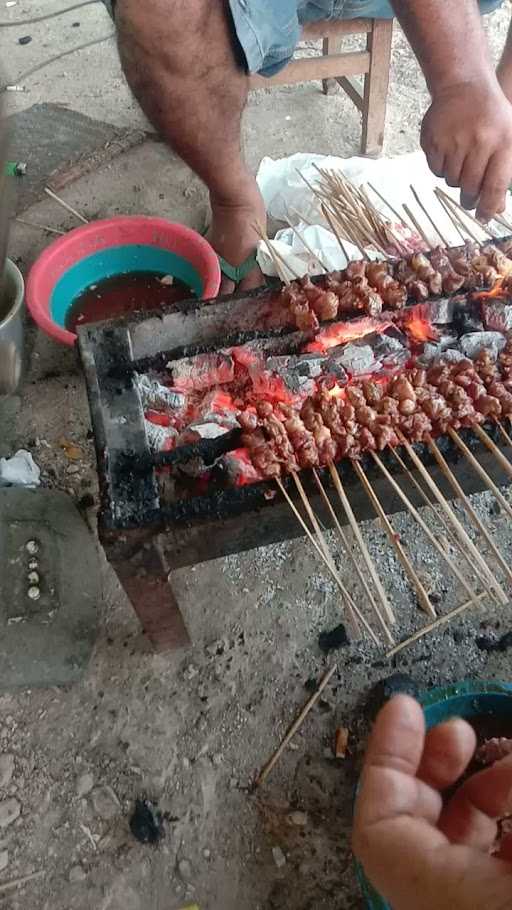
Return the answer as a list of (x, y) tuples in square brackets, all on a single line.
[(237, 273)]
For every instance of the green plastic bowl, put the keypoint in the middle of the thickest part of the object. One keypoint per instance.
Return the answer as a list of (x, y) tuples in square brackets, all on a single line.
[(466, 699)]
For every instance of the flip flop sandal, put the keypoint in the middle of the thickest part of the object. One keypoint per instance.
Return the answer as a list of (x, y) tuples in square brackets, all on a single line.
[(235, 273)]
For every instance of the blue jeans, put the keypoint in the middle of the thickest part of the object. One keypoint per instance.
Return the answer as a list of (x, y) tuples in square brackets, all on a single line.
[(269, 30)]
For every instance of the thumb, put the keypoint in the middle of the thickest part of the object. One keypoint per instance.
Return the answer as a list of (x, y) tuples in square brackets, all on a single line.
[(396, 813)]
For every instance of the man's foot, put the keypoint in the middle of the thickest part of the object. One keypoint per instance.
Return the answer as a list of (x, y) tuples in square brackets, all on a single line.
[(233, 237)]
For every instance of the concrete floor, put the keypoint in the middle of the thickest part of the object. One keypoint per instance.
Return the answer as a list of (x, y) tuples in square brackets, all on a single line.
[(190, 730)]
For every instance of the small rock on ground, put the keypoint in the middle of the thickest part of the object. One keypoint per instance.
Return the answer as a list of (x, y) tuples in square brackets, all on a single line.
[(4, 860), (6, 770), (84, 784), (9, 812), (105, 803), (279, 857), (77, 874), (185, 869)]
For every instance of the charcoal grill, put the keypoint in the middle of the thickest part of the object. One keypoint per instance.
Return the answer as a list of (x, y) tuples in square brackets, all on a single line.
[(145, 539)]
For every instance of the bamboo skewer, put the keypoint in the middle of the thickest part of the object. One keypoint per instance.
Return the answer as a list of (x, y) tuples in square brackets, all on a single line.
[(306, 245), (41, 227), (417, 227), (483, 569), (429, 216), (390, 207), (390, 616), (65, 205), (503, 221), (330, 565), (311, 515), (327, 215), (345, 542), (433, 540), (406, 563), (297, 724), (456, 205), (282, 267), (505, 435), (432, 626), (479, 224), (453, 218), (272, 253), (481, 471), (451, 537), (335, 231), (491, 445), (457, 488)]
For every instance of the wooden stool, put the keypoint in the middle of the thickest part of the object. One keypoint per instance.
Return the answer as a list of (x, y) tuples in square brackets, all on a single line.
[(373, 64)]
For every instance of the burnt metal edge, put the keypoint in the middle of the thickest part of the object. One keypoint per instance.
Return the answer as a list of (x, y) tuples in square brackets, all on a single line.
[(235, 502), (115, 402), (263, 294)]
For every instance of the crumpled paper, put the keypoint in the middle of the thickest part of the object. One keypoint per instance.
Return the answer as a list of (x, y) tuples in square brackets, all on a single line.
[(20, 470), (288, 198)]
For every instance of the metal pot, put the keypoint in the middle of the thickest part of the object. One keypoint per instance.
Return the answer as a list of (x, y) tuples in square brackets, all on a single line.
[(12, 317)]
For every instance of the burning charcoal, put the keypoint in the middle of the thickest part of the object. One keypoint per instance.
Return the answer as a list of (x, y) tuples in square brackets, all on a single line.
[(397, 684), (197, 431), (238, 468), (160, 439), (390, 346), (452, 355), (497, 316), (331, 641), (298, 372), (335, 371), (490, 644), (156, 395), (441, 312), (146, 823), (354, 358), (472, 344), (433, 349), (202, 371), (308, 365), (218, 407), (467, 316)]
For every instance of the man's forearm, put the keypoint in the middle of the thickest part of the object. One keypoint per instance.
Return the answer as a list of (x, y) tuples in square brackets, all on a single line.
[(505, 66), (448, 40)]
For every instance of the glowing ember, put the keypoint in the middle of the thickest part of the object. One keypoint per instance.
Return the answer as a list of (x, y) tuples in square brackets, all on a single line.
[(497, 291), (242, 471), (343, 332), (418, 326), (158, 418), (270, 387), (336, 392)]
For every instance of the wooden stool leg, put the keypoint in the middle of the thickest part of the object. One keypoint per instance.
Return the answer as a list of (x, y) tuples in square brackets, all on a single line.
[(146, 582), (325, 51), (376, 85)]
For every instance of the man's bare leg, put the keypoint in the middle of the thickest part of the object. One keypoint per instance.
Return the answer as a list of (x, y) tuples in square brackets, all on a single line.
[(180, 60)]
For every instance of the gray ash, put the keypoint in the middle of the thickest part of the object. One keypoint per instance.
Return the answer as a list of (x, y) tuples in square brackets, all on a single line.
[(497, 315), (471, 344)]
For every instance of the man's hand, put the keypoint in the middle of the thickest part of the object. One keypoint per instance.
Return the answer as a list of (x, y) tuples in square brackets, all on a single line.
[(467, 138), (418, 853)]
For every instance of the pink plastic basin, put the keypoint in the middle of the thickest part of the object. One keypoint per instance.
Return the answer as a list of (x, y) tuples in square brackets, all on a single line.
[(106, 248)]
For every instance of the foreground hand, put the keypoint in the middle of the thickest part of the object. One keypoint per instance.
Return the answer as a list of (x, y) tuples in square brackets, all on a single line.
[(467, 138), (418, 854)]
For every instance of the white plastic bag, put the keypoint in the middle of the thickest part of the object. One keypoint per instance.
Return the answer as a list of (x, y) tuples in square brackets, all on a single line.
[(20, 470)]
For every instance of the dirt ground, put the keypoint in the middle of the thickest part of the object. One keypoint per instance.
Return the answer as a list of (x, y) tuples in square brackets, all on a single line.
[(190, 729)]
